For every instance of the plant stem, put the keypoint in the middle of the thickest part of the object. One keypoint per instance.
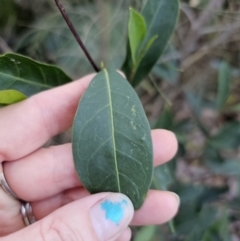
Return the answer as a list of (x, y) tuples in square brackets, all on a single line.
[(75, 34), (159, 91)]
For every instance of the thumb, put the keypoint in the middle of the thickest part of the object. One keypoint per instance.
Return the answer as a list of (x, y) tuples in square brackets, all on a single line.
[(99, 217)]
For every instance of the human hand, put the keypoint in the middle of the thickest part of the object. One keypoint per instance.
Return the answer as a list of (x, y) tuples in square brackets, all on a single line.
[(46, 177)]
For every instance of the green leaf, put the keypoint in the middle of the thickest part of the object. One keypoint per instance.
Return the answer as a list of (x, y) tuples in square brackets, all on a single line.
[(203, 221), (195, 234), (144, 51), (228, 136), (150, 43), (196, 105), (223, 85), (146, 234), (218, 165), (162, 177), (168, 71), (160, 17), (166, 119), (220, 229), (28, 76), (112, 145), (8, 97), (136, 31), (229, 167)]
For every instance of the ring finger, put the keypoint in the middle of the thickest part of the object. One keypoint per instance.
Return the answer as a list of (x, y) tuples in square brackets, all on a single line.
[(11, 219)]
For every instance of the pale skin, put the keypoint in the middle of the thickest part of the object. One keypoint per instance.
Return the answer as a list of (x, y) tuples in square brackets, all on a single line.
[(46, 177)]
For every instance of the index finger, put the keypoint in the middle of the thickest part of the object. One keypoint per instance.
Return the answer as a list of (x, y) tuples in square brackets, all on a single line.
[(26, 126)]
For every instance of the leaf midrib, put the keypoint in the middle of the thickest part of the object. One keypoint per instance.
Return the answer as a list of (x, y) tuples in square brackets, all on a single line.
[(112, 124), (25, 81)]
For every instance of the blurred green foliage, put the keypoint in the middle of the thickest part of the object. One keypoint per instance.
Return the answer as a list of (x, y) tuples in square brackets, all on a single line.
[(199, 74)]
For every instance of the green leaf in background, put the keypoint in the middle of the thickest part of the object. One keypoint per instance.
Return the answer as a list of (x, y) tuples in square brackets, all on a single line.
[(228, 136), (7, 13), (144, 51), (219, 230), (165, 120), (195, 234), (229, 167), (112, 145), (8, 97), (162, 177), (223, 85), (28, 76), (161, 17), (196, 104), (219, 165), (202, 223), (136, 31), (168, 71), (146, 234)]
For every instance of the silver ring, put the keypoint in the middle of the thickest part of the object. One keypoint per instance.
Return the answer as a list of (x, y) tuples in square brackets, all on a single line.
[(24, 215), (5, 185), (26, 209), (27, 213)]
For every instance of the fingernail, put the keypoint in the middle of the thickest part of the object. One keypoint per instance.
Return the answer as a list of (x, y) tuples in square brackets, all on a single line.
[(177, 197), (111, 216)]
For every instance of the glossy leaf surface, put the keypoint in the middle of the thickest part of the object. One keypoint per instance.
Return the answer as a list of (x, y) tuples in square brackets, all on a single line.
[(112, 144), (136, 32), (160, 17), (8, 97), (28, 76)]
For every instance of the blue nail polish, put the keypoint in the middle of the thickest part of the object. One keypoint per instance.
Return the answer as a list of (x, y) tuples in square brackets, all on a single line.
[(114, 210)]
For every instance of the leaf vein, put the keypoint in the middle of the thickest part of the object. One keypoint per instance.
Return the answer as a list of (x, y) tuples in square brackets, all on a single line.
[(98, 149), (24, 81), (132, 158), (134, 184), (86, 125), (92, 119), (44, 76), (129, 138), (104, 180), (95, 152), (123, 115), (90, 96), (117, 93), (113, 137)]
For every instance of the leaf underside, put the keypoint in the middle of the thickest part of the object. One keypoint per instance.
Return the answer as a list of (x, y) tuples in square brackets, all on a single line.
[(28, 76), (112, 144)]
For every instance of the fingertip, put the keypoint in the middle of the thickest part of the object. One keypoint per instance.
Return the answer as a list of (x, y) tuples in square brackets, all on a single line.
[(173, 203), (126, 235), (111, 216), (159, 207), (165, 145)]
